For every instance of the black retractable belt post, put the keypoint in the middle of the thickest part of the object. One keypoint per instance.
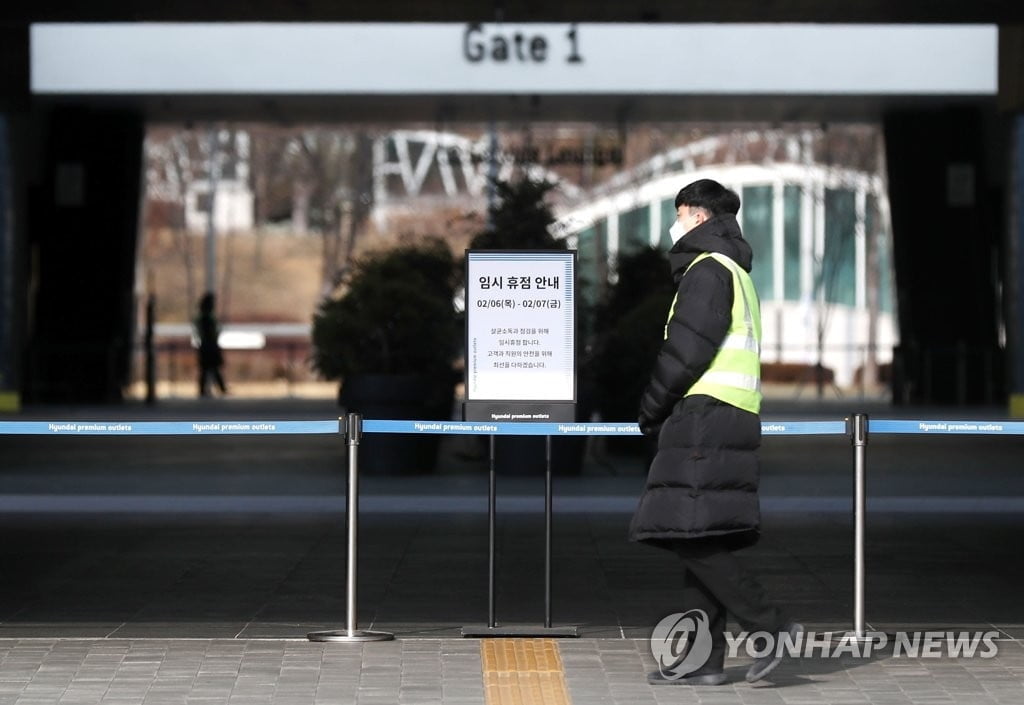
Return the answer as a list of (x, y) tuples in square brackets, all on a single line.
[(352, 427)]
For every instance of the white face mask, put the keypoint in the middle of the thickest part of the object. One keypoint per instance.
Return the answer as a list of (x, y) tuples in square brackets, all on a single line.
[(677, 231)]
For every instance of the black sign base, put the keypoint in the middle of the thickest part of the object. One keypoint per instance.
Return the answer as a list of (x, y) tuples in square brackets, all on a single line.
[(514, 411), (518, 630)]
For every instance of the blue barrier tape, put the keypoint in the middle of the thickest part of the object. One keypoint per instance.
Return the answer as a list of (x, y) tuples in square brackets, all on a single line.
[(165, 428), (777, 428), (931, 426), (768, 428), (209, 428), (502, 428), (803, 428)]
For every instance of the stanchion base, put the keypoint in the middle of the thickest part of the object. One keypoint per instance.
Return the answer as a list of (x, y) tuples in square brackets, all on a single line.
[(524, 630), (350, 636)]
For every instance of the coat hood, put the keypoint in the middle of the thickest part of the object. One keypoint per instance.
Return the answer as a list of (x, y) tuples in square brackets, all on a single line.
[(719, 234)]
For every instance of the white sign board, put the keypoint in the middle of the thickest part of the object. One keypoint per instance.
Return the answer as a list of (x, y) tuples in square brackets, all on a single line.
[(372, 58), (521, 328)]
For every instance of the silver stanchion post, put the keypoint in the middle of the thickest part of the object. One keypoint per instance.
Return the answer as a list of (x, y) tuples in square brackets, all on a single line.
[(860, 446), (859, 438), (353, 434)]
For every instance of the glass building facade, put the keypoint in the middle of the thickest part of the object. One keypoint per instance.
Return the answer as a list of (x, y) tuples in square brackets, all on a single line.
[(822, 254)]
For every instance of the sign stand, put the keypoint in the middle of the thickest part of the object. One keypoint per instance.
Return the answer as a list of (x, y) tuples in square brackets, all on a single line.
[(520, 366), (491, 629)]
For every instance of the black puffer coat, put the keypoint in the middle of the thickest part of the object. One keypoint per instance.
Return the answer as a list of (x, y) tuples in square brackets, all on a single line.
[(704, 479)]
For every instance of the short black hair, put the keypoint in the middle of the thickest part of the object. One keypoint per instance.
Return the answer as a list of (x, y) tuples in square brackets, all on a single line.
[(709, 195)]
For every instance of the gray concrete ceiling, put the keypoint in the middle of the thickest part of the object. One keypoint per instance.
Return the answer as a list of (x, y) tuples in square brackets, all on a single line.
[(989, 11), (447, 110)]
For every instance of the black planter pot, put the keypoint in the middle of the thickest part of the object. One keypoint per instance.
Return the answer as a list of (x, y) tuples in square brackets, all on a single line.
[(400, 396)]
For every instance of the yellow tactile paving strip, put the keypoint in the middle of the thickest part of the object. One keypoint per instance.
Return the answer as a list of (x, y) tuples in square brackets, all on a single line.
[(523, 672)]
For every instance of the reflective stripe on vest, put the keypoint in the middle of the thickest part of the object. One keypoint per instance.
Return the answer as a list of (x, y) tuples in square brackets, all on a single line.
[(734, 375)]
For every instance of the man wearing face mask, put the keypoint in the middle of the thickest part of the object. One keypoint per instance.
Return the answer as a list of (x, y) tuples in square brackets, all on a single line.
[(703, 403)]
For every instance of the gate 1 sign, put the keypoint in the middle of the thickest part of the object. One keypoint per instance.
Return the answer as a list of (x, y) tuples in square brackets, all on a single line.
[(520, 335)]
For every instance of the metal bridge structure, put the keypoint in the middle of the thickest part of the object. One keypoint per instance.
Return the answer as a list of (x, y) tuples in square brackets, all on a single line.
[(405, 162)]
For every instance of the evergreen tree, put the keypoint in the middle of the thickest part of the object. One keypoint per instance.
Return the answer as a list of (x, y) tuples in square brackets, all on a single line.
[(520, 218)]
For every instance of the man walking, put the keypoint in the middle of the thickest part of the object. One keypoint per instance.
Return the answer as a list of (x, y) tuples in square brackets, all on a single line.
[(209, 357), (703, 401)]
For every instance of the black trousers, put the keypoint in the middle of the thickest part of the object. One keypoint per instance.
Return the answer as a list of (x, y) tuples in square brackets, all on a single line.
[(717, 582), (206, 372)]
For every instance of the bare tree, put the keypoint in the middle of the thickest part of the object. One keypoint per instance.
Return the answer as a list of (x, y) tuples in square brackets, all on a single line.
[(317, 178), (320, 178), (171, 156), (182, 162)]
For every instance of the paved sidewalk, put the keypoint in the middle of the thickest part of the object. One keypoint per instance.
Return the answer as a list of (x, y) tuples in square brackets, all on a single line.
[(448, 671), (159, 571)]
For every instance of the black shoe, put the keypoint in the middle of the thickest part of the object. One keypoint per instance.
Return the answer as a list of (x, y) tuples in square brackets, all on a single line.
[(766, 664), (712, 678)]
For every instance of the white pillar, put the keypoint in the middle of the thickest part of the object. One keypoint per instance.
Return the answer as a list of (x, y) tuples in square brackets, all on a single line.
[(655, 211)]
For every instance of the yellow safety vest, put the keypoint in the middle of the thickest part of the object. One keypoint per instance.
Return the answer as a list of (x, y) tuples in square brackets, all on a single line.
[(734, 375)]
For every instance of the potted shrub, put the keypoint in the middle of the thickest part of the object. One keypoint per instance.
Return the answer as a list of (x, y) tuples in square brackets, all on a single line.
[(391, 338)]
